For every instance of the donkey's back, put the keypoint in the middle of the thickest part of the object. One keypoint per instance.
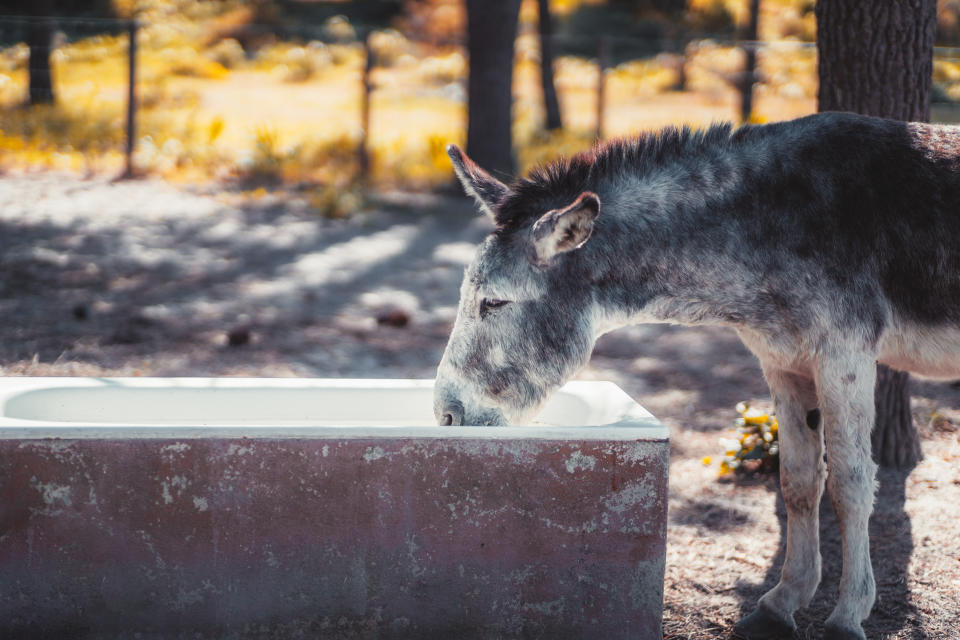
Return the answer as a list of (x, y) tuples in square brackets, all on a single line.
[(873, 208)]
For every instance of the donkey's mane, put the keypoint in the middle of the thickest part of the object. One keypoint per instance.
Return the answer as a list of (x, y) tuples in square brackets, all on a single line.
[(561, 181)]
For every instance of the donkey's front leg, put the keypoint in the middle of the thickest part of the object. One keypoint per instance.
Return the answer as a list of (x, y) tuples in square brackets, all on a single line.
[(846, 389), (802, 473)]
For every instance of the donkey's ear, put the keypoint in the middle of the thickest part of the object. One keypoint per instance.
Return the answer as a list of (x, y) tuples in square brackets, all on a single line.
[(565, 229), (486, 190)]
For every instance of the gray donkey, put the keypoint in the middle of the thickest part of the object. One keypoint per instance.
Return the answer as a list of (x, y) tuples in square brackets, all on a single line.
[(828, 243)]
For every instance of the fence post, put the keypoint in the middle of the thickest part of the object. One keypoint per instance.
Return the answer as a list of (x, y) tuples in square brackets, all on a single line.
[(40, 46), (128, 171), (364, 153), (750, 63), (603, 55)]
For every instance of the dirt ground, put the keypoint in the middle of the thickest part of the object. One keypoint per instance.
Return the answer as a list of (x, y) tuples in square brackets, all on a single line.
[(141, 278)]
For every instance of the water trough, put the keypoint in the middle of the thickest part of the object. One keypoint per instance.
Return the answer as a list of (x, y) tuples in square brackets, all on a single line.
[(285, 508)]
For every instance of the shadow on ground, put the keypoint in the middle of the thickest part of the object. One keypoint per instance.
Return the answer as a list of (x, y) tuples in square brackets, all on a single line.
[(161, 281), (891, 542)]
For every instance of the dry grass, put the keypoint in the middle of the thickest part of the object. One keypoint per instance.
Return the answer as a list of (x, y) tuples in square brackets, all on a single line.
[(195, 78), (726, 544)]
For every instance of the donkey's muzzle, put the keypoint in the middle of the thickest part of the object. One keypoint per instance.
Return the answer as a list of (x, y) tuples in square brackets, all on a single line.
[(451, 414)]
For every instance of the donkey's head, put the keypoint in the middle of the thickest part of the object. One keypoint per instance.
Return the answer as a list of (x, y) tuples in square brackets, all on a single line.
[(526, 318)]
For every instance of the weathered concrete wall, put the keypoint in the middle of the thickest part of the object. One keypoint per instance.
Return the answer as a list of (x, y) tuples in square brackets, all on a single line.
[(331, 538)]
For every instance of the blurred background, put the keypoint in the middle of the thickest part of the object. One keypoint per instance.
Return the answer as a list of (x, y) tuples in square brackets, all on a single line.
[(332, 93)]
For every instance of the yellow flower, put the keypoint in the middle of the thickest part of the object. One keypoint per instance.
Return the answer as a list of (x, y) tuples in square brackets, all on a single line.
[(755, 416)]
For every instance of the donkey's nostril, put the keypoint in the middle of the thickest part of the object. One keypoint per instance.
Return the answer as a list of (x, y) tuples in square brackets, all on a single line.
[(452, 414)]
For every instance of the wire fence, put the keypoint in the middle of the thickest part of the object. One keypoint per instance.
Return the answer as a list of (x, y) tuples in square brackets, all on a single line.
[(326, 103)]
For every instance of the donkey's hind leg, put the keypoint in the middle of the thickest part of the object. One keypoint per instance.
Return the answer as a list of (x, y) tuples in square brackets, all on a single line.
[(802, 474), (846, 390)]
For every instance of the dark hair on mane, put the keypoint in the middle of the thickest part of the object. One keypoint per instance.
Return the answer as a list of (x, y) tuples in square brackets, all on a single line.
[(560, 182)]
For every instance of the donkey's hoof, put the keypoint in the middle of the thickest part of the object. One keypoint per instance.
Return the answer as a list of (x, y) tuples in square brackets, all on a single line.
[(763, 624), (834, 632)]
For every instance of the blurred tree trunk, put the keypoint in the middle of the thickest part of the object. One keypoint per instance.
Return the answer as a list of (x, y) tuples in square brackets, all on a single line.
[(876, 58), (683, 48), (550, 102), (39, 39), (491, 31), (750, 64)]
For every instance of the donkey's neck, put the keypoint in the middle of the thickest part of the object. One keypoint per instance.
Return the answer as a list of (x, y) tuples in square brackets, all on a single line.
[(667, 248)]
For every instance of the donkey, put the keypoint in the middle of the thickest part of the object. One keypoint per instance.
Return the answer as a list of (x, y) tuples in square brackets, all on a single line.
[(828, 243)]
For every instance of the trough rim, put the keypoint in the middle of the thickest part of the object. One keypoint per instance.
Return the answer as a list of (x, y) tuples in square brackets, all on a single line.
[(633, 423)]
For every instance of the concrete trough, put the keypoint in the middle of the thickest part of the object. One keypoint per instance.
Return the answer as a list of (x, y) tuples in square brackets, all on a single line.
[(281, 508)]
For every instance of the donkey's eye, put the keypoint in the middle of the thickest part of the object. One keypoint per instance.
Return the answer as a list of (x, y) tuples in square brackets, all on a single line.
[(489, 304)]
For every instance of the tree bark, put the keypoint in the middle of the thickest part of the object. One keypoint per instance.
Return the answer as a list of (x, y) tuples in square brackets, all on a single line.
[(550, 102), (876, 58), (491, 31), (39, 39), (895, 441)]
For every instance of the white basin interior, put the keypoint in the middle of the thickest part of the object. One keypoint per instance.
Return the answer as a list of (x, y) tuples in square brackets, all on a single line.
[(222, 405), (263, 402)]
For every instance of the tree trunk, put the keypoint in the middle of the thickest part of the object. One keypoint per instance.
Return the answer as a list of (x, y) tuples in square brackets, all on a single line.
[(491, 31), (876, 58), (550, 102), (750, 65), (895, 442), (683, 57), (39, 38)]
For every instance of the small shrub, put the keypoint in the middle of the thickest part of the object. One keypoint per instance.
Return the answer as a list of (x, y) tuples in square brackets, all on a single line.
[(214, 130), (757, 447), (646, 77), (336, 202), (710, 16), (91, 50), (11, 91), (185, 61), (339, 29), (228, 53), (14, 58), (798, 24), (302, 63), (269, 163), (292, 63), (388, 47), (444, 69), (545, 146), (266, 162), (64, 128)]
